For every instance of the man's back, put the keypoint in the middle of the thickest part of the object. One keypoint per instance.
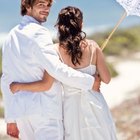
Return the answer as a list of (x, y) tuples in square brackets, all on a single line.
[(21, 65)]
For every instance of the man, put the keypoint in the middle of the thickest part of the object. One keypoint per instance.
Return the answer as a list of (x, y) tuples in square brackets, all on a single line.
[(26, 54)]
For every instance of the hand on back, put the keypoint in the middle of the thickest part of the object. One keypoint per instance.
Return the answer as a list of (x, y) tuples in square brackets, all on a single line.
[(97, 83)]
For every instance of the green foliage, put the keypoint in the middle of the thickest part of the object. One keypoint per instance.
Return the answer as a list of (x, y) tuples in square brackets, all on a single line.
[(122, 42), (1, 112), (0, 67), (0, 62)]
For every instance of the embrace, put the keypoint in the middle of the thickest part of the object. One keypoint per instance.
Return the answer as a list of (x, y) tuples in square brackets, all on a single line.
[(52, 91)]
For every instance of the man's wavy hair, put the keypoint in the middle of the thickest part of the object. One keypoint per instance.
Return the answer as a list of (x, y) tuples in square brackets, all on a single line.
[(28, 3)]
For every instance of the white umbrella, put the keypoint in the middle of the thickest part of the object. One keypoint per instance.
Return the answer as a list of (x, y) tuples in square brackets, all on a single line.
[(132, 7)]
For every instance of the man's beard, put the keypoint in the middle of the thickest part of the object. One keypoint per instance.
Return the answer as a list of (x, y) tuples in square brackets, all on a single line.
[(45, 19)]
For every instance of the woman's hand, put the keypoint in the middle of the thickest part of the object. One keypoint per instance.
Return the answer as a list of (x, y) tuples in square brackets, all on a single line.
[(15, 87), (97, 83)]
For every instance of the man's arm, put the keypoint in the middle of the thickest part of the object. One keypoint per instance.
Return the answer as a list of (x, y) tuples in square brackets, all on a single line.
[(49, 59), (12, 129), (6, 93)]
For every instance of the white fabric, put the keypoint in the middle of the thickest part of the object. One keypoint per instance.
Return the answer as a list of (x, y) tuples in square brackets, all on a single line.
[(25, 56), (86, 114), (132, 7), (39, 128)]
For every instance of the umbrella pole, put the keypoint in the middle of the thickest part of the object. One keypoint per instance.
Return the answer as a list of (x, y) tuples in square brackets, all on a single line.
[(121, 19)]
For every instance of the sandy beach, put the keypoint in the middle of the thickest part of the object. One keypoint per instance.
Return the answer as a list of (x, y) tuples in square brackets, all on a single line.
[(121, 88)]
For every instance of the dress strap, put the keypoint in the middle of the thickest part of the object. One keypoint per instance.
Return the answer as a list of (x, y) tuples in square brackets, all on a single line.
[(92, 52), (59, 55)]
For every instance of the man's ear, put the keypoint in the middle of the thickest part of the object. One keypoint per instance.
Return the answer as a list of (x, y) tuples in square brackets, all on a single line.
[(25, 5), (23, 2)]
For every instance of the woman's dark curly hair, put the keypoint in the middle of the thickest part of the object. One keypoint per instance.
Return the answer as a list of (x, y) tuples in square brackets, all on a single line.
[(70, 32)]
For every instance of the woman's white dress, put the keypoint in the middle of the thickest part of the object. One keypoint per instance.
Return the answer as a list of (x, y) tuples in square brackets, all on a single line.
[(86, 114)]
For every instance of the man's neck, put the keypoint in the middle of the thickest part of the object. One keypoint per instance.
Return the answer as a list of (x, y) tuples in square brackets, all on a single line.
[(32, 19)]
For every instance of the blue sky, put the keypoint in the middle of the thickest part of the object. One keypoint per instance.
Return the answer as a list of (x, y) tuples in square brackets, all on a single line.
[(98, 14)]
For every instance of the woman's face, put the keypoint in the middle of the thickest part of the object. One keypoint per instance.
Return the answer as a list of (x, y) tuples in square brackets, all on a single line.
[(40, 10)]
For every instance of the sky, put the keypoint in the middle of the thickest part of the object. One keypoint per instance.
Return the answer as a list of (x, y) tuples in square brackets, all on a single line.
[(99, 15)]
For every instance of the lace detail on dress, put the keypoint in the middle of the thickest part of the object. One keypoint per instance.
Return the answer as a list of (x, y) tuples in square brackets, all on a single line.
[(132, 7)]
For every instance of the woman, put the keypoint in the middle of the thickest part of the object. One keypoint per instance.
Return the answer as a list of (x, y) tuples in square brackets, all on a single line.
[(86, 114)]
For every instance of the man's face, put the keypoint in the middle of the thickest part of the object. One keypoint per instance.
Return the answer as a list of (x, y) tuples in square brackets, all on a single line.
[(40, 10)]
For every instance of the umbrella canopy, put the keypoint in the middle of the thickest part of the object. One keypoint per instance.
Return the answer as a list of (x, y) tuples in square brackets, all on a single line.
[(132, 7)]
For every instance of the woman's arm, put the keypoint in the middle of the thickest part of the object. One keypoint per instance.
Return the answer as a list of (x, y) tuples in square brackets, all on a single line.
[(101, 66), (37, 86)]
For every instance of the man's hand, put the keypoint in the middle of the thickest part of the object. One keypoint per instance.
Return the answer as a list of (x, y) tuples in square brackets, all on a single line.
[(12, 130), (14, 87), (97, 83)]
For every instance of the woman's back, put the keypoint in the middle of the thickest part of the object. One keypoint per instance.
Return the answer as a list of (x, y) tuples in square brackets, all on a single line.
[(88, 51), (87, 63)]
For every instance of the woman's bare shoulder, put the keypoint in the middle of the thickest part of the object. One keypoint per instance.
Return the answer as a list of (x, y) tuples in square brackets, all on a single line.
[(93, 44)]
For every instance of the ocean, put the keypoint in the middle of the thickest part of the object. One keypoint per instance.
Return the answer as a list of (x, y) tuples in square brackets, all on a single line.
[(99, 15)]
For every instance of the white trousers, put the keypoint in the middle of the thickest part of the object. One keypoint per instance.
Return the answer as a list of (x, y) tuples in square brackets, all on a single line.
[(37, 127)]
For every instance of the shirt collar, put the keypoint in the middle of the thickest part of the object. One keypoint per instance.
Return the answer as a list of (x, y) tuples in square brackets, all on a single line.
[(28, 19)]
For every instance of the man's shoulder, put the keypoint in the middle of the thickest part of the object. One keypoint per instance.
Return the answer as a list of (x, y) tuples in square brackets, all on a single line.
[(37, 27), (37, 31), (13, 29)]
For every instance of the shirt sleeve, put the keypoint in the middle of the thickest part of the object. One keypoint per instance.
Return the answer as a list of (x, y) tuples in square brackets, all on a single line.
[(9, 112), (8, 98), (49, 59)]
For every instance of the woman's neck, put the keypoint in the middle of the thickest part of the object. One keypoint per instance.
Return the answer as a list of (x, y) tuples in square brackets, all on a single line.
[(84, 61)]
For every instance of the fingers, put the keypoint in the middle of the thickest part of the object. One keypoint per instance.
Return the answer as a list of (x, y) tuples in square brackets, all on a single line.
[(97, 78), (97, 83), (12, 130), (13, 134), (13, 87), (96, 86)]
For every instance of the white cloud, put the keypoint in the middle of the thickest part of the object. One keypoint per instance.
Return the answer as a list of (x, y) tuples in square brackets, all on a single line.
[(91, 30)]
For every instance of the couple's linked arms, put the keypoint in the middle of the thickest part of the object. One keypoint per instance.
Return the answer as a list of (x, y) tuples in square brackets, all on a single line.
[(43, 85), (48, 58), (47, 81), (37, 86)]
